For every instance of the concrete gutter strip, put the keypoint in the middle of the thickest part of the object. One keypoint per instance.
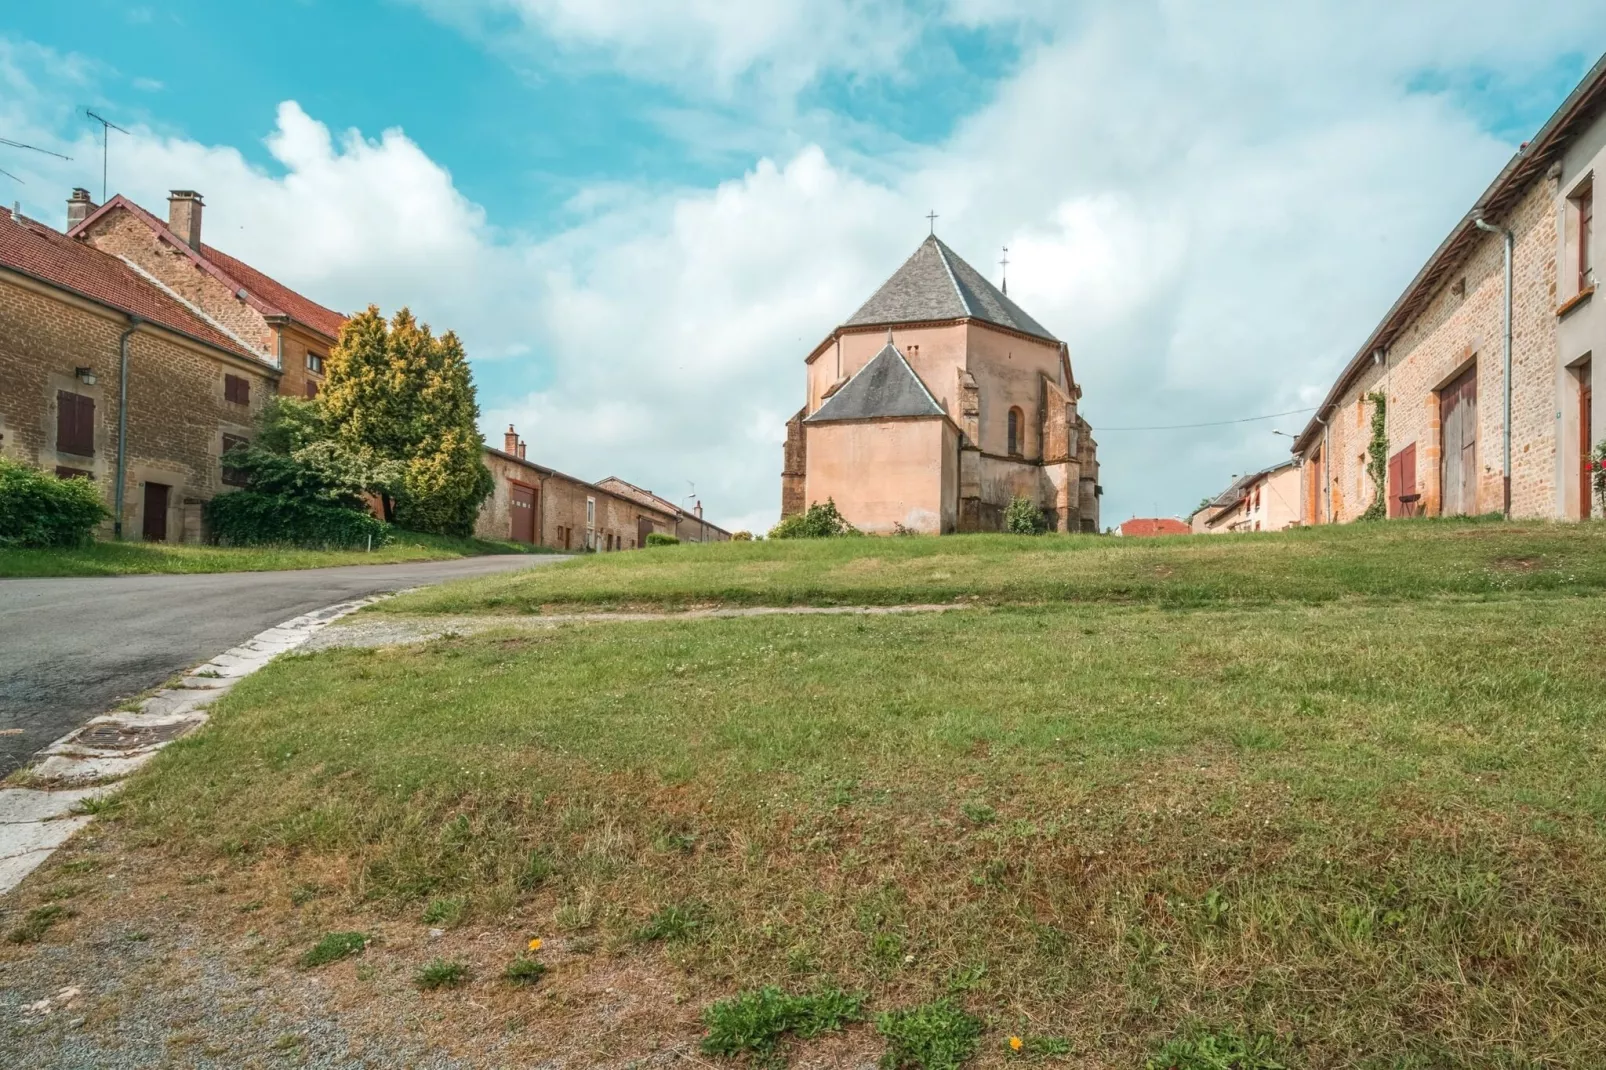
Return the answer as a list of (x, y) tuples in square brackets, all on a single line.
[(90, 762)]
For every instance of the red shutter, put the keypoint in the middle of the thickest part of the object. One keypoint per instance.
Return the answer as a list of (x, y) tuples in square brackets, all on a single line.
[(236, 389)]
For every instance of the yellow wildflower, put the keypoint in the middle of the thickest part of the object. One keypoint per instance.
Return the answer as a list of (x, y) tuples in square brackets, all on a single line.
[(1015, 1044), (535, 945)]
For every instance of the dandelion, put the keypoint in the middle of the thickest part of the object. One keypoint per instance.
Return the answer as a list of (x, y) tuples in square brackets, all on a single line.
[(1015, 1043), (535, 944)]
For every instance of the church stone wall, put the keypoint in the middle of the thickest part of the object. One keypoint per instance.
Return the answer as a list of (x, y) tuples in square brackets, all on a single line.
[(886, 474)]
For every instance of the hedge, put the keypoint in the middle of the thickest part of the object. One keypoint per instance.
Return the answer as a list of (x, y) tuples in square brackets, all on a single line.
[(250, 518), (41, 511), (658, 538)]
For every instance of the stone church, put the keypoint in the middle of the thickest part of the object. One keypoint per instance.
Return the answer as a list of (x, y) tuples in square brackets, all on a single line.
[(936, 403)]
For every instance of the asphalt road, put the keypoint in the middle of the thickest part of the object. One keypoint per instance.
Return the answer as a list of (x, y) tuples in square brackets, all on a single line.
[(71, 648)]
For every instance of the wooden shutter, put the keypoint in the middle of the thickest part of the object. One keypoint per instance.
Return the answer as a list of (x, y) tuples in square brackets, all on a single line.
[(75, 424), (236, 389)]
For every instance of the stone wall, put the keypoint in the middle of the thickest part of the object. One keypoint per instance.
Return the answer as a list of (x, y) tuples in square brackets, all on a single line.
[(177, 413), (561, 517)]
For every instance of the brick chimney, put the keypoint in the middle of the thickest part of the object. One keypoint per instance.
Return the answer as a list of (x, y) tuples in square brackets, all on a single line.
[(510, 441), (184, 216), (699, 509), (521, 449), (79, 207)]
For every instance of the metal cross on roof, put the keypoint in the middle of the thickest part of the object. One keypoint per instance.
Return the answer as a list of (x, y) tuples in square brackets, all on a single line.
[(931, 217), (1004, 264)]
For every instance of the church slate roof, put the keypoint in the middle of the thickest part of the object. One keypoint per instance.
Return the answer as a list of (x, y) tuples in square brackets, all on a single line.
[(885, 387), (935, 284)]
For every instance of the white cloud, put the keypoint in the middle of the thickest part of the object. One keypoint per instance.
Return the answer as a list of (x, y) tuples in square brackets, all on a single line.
[(1212, 205)]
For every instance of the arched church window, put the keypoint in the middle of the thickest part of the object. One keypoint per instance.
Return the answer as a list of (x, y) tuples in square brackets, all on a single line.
[(1017, 433)]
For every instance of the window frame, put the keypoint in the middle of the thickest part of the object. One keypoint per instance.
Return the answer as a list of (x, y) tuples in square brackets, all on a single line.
[(1583, 200), (1015, 432), (315, 362)]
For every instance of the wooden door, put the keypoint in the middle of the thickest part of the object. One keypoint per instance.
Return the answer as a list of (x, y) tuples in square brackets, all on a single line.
[(643, 529), (1313, 489), (156, 512), (1586, 437), (521, 504), (1458, 456), (1402, 482)]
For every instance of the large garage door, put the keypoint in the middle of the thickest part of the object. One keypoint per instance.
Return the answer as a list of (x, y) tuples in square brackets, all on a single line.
[(521, 501)]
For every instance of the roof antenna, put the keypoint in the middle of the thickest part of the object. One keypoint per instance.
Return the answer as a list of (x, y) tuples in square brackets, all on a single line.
[(1004, 263), (932, 217), (106, 127)]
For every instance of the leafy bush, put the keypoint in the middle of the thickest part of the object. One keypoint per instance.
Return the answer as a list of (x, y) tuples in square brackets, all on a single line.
[(659, 538), (933, 1036), (41, 511), (249, 518), (1023, 517), (816, 522), (741, 536), (757, 1020)]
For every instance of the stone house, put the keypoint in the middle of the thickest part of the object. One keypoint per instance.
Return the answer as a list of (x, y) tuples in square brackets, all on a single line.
[(534, 504), (690, 525), (104, 373), (934, 405), (1268, 500), (286, 329), (1464, 434)]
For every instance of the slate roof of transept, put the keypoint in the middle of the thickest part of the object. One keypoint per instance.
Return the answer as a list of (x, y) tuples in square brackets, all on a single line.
[(885, 387), (936, 284)]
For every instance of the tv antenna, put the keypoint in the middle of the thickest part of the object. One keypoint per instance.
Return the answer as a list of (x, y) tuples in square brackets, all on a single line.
[(13, 177), (31, 148), (106, 128)]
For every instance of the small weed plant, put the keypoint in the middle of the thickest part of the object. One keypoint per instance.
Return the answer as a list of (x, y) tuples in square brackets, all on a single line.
[(673, 924), (524, 971), (755, 1022), (447, 911), (333, 948), (36, 923), (933, 1036), (440, 973), (1217, 1051)]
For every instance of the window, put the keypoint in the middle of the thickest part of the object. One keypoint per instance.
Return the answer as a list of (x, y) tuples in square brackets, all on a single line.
[(1015, 432), (312, 389), (75, 424), (1585, 200), (233, 477), (237, 390), (314, 363)]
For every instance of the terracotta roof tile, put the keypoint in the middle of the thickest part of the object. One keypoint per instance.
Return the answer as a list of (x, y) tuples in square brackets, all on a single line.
[(299, 308), (1146, 526), (34, 249)]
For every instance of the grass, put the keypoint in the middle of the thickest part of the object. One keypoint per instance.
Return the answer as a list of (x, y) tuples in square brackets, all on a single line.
[(1369, 828), (333, 948), (1398, 560), (757, 1022), (36, 923), (128, 558), (524, 971)]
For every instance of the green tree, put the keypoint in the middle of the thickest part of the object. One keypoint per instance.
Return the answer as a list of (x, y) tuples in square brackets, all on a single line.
[(395, 392)]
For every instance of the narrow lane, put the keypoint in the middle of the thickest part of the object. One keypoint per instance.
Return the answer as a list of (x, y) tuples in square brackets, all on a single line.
[(70, 648)]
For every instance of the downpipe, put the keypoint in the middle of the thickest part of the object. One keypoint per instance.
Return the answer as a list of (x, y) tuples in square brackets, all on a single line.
[(1510, 241), (122, 420)]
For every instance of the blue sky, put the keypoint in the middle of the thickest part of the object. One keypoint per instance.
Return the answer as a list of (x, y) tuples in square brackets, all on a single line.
[(641, 215)]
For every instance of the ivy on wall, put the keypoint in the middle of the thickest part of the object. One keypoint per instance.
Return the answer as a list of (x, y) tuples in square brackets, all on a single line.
[(1377, 457)]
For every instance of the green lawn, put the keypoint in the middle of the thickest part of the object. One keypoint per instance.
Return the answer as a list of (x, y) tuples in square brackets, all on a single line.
[(1407, 559), (1343, 789), (124, 558)]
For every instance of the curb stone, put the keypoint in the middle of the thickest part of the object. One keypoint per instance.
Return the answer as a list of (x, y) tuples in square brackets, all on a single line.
[(91, 761)]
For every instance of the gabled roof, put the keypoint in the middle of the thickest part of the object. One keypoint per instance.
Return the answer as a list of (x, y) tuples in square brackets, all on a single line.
[(1525, 168), (935, 284), (268, 296), (884, 388), (1149, 526), (642, 496), (35, 250)]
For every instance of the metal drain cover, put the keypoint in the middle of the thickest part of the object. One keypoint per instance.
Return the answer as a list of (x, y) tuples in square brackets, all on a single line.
[(130, 737)]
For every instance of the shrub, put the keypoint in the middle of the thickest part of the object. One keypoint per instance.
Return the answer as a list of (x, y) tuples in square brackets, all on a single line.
[(1023, 517), (933, 1036), (41, 511), (249, 518), (816, 522), (659, 538), (741, 536)]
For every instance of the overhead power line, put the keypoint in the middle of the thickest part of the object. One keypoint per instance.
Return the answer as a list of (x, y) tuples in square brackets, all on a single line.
[(1211, 423)]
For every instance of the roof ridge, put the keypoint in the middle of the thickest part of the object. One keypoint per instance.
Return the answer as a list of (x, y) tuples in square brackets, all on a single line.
[(942, 253)]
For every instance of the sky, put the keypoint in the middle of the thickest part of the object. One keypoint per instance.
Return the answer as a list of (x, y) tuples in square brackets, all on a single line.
[(641, 215)]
